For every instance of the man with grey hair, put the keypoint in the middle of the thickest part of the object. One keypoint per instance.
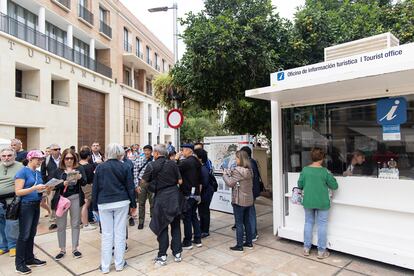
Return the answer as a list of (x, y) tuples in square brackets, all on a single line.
[(163, 178), (48, 170), (9, 229), (17, 145)]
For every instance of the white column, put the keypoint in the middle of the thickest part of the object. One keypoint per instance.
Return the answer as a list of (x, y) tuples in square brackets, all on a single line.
[(277, 168), (92, 48), (42, 20), (69, 32), (132, 77), (3, 6)]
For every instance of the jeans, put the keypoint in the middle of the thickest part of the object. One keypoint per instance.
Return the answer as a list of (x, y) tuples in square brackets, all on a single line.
[(75, 220), (191, 221), (253, 221), (114, 224), (163, 239), (322, 221), (204, 213), (242, 218), (9, 231), (28, 220)]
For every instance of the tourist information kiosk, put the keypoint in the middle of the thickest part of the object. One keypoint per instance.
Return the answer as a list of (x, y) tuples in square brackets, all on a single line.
[(359, 102)]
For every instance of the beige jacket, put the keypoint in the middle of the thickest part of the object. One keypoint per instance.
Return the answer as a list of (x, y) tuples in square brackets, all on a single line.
[(241, 180)]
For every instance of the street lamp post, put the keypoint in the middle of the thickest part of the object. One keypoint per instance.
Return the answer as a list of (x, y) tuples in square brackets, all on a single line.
[(175, 49)]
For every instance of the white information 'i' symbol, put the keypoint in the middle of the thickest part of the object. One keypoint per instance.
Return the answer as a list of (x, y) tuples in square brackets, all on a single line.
[(390, 115)]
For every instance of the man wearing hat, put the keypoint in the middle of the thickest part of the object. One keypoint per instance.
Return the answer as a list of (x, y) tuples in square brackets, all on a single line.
[(190, 169)]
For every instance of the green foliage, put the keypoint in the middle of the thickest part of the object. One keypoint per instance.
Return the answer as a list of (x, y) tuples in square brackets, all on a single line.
[(163, 87)]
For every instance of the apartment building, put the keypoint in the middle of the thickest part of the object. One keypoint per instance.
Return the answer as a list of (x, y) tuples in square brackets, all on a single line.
[(78, 71)]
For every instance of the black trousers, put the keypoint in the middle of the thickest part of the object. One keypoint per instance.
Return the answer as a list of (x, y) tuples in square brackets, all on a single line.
[(163, 239), (204, 213), (28, 220)]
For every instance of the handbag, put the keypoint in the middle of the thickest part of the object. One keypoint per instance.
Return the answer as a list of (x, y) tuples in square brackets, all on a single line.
[(63, 204), (297, 196), (13, 209)]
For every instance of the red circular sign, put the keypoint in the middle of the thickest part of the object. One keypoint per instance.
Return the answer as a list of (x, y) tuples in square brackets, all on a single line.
[(175, 118)]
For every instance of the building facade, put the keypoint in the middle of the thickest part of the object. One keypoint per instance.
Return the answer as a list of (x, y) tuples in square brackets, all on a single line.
[(78, 71)]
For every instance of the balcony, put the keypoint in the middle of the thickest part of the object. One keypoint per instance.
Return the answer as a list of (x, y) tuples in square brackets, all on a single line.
[(157, 67), (127, 47), (85, 14), (63, 3), (27, 96), (139, 54), (28, 34), (105, 29)]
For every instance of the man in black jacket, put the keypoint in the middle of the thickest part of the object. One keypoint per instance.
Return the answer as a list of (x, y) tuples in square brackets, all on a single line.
[(162, 177), (190, 169), (48, 169)]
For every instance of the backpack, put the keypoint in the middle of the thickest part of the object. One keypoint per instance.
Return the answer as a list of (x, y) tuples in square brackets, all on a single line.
[(213, 181)]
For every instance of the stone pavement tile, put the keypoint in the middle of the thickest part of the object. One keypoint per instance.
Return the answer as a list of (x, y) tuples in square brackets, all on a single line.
[(226, 231), (269, 257), (145, 262), (217, 224), (269, 240), (128, 271), (194, 251), (349, 273), (301, 266), (215, 239), (336, 259), (247, 268), (179, 269), (216, 257), (369, 267), (199, 263), (223, 272), (264, 221)]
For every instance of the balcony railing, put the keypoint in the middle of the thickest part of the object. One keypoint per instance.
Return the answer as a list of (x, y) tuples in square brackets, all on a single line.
[(65, 3), (85, 14), (149, 62), (22, 31), (157, 67), (59, 102), (139, 54), (105, 29), (127, 47), (28, 96)]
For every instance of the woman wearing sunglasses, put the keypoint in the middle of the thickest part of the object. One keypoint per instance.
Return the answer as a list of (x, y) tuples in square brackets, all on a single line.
[(74, 178)]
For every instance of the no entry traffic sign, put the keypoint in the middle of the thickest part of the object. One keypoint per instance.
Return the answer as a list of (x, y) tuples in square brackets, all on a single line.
[(175, 118)]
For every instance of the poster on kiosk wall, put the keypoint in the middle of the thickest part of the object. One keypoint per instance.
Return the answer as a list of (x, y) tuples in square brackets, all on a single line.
[(222, 153)]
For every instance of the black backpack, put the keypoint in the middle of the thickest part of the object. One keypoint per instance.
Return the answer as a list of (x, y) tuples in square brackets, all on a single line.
[(213, 181)]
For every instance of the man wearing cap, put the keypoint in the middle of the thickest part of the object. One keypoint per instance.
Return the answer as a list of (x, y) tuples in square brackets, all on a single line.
[(9, 229), (190, 169), (142, 188), (48, 170)]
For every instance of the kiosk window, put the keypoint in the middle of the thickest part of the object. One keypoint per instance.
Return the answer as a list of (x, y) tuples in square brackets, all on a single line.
[(351, 136)]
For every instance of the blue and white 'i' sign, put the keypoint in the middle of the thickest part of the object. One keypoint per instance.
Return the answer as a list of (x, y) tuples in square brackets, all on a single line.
[(392, 111)]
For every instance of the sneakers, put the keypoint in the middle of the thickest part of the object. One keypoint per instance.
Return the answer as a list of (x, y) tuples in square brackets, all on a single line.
[(53, 226), (2, 251), (187, 245), (178, 258), (255, 238), (204, 235), (123, 267), (12, 252), (198, 243), (131, 221), (36, 263), (140, 226), (237, 248), (23, 270), (88, 227), (323, 255), (103, 272), (161, 260), (59, 256), (248, 245), (76, 254), (306, 252)]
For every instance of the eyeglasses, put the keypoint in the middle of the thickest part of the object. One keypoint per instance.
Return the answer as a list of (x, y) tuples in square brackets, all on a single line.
[(56, 149), (8, 155), (69, 158)]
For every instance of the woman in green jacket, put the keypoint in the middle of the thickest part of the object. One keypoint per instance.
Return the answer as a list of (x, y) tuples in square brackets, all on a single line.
[(315, 180)]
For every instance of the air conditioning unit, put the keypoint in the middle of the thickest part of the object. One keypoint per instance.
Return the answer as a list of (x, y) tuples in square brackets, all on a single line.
[(360, 46)]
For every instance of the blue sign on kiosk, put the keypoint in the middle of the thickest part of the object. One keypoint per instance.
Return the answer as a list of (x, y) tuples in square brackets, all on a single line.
[(391, 113)]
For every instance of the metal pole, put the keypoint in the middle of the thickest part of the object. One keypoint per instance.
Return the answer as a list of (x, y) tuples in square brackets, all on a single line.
[(175, 40)]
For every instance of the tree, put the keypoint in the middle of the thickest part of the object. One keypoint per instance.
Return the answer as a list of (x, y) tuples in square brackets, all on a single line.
[(232, 46)]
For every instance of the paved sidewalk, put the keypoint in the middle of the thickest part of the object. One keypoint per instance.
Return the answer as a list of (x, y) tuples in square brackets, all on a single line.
[(270, 256)]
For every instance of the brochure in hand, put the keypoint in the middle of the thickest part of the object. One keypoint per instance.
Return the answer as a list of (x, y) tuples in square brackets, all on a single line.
[(53, 182), (72, 177)]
